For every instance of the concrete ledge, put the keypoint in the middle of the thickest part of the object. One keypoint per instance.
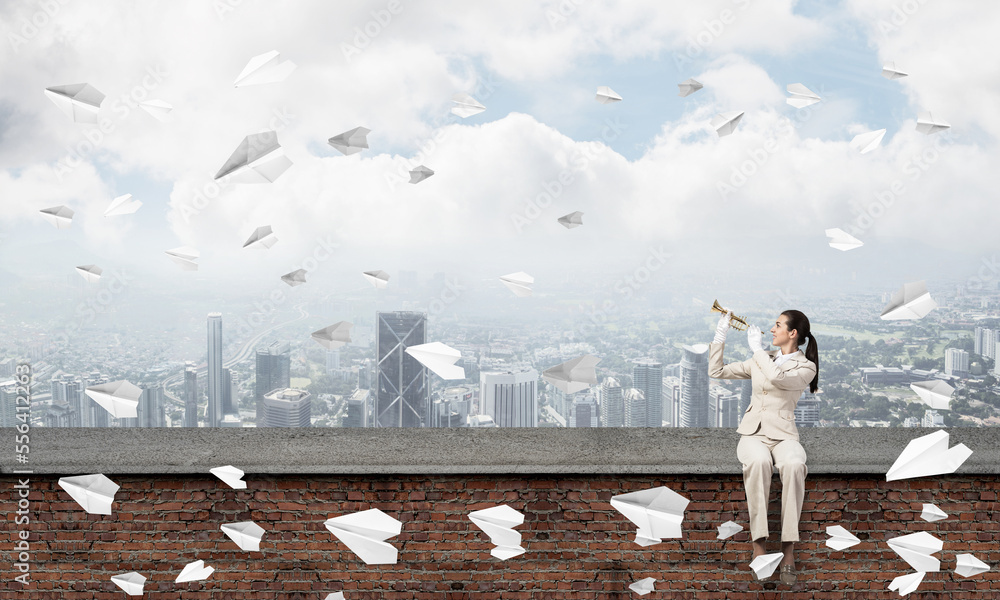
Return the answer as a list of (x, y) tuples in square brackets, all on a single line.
[(464, 451)]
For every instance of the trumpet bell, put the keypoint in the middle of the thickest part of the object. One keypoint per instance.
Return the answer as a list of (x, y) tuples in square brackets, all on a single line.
[(738, 323)]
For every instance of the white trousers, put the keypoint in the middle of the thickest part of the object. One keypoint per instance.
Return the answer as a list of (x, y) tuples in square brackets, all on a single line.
[(759, 455)]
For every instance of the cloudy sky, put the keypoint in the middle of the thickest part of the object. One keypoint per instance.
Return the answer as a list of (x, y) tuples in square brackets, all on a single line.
[(648, 171)]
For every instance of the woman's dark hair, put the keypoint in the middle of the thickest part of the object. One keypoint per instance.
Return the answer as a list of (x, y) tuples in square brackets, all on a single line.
[(800, 323)]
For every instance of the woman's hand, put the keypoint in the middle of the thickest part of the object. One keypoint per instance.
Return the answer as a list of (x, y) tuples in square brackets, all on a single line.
[(754, 338), (722, 328)]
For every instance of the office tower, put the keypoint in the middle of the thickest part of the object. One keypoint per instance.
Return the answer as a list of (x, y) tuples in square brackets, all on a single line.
[(612, 403), (932, 418), (510, 398), (8, 406), (273, 371), (358, 409), (722, 407), (216, 409), (694, 386), (452, 407), (672, 400), (807, 410), (287, 408), (584, 411), (977, 344), (151, 409), (230, 393), (68, 392), (401, 388), (956, 362), (635, 408), (99, 416), (647, 376), (190, 397)]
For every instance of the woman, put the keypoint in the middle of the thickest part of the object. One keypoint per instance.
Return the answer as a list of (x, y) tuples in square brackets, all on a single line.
[(769, 437)]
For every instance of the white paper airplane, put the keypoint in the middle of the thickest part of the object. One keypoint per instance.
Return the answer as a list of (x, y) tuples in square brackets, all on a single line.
[(246, 534), (158, 109), (185, 256), (688, 87), (351, 141), (928, 455), (60, 216), (573, 219), (379, 279), (868, 141), (466, 105), (912, 301), (934, 393), (889, 71), (261, 239), (606, 95), (725, 123), (419, 174), (801, 96), (265, 68), (968, 565), (764, 565), (916, 549), (231, 475), (335, 596), (120, 398), (258, 159), (334, 336), (643, 586), (573, 375), (92, 273), (363, 532), (840, 538), (80, 101), (658, 512), (130, 582), (520, 283), (932, 513), (296, 277), (438, 358), (122, 205), (927, 124), (94, 493), (499, 522), (841, 240), (729, 529), (904, 584), (195, 571)]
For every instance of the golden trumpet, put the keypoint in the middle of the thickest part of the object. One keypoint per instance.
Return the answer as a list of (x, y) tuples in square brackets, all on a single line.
[(738, 323)]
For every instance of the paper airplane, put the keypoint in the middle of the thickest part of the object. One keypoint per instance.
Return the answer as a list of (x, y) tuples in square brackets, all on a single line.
[(120, 398), (351, 141), (928, 455), (868, 141), (643, 586), (92, 273), (657, 512), (246, 534), (80, 101), (573, 219), (438, 358), (688, 87), (729, 529), (335, 596), (499, 522), (419, 174), (60, 216), (261, 239), (363, 532), (379, 279), (185, 256), (122, 205), (606, 95), (725, 123), (334, 336), (764, 565), (904, 584), (968, 565), (194, 571), (912, 301), (927, 124), (889, 71), (130, 582), (94, 493), (916, 549), (258, 159), (840, 538), (934, 393), (158, 109), (841, 240), (231, 475), (801, 96), (573, 375), (265, 68), (520, 283), (296, 277), (466, 105), (932, 513)]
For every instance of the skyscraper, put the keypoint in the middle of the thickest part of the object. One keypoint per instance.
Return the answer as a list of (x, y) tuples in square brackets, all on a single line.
[(807, 410), (694, 386), (672, 400), (401, 390), (635, 408), (216, 408), (612, 403), (583, 412), (273, 371), (230, 394), (956, 362), (510, 398), (151, 409), (723, 407), (287, 408), (358, 409), (190, 397), (8, 405), (647, 376)]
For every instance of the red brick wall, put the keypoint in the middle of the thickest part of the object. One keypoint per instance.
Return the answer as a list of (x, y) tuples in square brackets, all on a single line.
[(577, 545)]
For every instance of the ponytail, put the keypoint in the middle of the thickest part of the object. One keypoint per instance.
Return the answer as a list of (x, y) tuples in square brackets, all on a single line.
[(799, 322)]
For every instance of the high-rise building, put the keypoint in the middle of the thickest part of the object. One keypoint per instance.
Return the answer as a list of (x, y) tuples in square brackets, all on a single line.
[(452, 407), (190, 397), (723, 407), (8, 405), (612, 403), (807, 410), (68, 391), (332, 360), (635, 408), (694, 386), (287, 408), (647, 376), (230, 393), (672, 400), (932, 418), (510, 398), (216, 389), (358, 409), (151, 410), (273, 371), (99, 416), (956, 362), (584, 412), (401, 389)]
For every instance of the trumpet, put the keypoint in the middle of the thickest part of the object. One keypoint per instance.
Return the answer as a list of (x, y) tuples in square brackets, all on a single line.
[(738, 323)]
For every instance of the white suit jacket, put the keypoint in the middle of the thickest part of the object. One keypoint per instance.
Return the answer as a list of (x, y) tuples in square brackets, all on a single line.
[(776, 389)]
